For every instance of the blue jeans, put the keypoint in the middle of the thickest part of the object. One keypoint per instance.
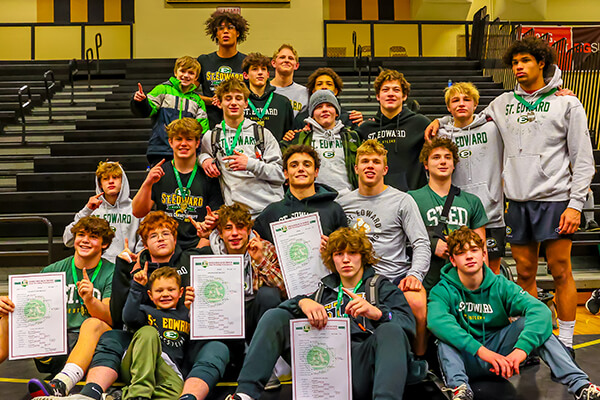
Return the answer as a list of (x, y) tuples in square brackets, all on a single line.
[(458, 366)]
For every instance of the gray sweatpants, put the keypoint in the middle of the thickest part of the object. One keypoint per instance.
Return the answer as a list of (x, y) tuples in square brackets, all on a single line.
[(458, 366)]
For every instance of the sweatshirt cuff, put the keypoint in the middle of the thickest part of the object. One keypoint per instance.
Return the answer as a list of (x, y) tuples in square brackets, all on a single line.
[(203, 157), (473, 347), (85, 212), (252, 163), (576, 204)]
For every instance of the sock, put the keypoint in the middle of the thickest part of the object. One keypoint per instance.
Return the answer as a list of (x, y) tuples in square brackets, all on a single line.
[(565, 332), (188, 397), (92, 390), (244, 396), (70, 375)]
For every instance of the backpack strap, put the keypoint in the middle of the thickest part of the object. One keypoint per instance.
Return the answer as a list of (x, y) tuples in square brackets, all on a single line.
[(214, 140), (441, 229), (319, 293), (372, 289)]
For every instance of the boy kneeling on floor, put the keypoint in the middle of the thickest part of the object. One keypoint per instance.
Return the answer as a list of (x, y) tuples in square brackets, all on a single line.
[(469, 311), (389, 325)]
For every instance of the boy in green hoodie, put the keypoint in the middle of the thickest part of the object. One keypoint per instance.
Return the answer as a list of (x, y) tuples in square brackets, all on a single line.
[(469, 312)]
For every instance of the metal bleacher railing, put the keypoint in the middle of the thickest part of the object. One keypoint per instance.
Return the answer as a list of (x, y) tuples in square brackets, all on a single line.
[(580, 70)]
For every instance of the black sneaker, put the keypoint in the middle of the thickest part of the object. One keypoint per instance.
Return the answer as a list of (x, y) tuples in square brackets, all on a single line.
[(463, 392), (39, 388), (593, 303), (589, 392), (592, 226), (233, 397)]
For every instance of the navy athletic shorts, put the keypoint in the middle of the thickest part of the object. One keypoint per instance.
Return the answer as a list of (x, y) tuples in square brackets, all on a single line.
[(534, 221)]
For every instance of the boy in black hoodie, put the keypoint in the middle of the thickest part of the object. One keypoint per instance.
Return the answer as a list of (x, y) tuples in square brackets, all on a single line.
[(301, 165), (375, 329), (267, 108), (399, 129)]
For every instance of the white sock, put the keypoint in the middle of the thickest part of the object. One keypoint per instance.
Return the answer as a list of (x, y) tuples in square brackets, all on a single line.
[(565, 333), (244, 396), (282, 369), (70, 375)]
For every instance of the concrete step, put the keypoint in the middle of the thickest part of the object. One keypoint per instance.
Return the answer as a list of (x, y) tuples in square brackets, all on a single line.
[(42, 128)]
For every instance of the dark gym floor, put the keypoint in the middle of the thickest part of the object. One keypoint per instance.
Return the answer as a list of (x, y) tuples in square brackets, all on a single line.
[(534, 383)]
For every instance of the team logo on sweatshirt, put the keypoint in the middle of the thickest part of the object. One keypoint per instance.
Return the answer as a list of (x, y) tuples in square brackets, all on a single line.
[(465, 153), (223, 73)]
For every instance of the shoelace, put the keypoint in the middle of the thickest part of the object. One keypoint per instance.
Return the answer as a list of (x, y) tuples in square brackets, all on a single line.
[(588, 392)]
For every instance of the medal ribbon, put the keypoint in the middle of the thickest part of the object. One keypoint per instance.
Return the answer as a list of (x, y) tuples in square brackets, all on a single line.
[(338, 306), (530, 106), (178, 178), (229, 150), (267, 104)]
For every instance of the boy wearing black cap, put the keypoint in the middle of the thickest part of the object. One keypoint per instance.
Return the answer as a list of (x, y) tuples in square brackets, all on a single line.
[(335, 143)]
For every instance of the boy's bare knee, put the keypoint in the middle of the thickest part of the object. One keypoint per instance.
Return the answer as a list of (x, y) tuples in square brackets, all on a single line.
[(93, 326)]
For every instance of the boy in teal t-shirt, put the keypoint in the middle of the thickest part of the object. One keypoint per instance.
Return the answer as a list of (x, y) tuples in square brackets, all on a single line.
[(440, 157), (89, 283)]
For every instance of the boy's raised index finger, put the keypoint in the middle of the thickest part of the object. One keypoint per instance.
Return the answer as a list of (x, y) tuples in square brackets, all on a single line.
[(98, 195), (140, 87), (349, 293), (85, 275), (160, 163)]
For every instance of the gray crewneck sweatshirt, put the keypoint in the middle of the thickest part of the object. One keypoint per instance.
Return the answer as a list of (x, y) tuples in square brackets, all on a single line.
[(389, 219)]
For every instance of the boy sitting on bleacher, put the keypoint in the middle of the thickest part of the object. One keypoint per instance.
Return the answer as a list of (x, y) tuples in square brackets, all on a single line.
[(469, 313), (171, 100), (112, 203), (89, 286)]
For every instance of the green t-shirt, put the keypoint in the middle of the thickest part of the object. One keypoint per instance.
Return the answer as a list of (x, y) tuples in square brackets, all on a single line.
[(76, 310), (467, 210)]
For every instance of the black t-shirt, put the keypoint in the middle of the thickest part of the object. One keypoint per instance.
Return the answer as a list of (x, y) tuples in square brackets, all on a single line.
[(214, 71), (204, 192)]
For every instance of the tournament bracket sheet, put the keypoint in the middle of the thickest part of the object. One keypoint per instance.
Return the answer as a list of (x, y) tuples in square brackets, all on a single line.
[(298, 242), (38, 326), (321, 364), (218, 308)]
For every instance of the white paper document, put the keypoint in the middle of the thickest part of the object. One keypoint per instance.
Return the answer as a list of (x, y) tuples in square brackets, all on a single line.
[(218, 308), (38, 326), (321, 364), (298, 243)]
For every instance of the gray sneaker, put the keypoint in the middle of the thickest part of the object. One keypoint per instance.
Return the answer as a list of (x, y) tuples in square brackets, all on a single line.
[(274, 382), (593, 303), (463, 392), (589, 392)]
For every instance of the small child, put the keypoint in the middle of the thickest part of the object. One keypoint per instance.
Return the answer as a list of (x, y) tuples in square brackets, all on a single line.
[(171, 100), (152, 364), (469, 312)]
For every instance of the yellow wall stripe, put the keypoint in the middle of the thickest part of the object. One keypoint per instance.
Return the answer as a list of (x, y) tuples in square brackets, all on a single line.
[(79, 11), (370, 10), (45, 10), (112, 10)]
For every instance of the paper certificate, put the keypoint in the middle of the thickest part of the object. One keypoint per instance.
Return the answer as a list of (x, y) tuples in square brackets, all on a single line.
[(298, 243), (38, 326), (218, 308), (321, 366)]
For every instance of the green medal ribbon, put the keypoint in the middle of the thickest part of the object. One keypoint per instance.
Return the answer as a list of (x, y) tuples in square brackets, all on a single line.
[(267, 104), (229, 150), (530, 106), (338, 306)]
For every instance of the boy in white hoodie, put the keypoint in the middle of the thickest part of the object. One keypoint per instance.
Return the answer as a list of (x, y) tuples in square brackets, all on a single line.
[(112, 203), (244, 155)]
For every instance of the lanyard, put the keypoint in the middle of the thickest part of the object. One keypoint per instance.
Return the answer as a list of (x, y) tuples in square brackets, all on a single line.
[(229, 150), (74, 269), (267, 104), (338, 306), (189, 184), (530, 106)]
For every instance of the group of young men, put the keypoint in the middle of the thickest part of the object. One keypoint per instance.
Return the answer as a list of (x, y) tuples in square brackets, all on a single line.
[(423, 219)]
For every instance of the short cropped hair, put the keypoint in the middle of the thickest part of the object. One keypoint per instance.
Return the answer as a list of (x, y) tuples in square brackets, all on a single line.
[(186, 63), (236, 213), (391, 75), (108, 168), (463, 238), (538, 48), (285, 46), (371, 146), (435, 143), (96, 226), (351, 239), (301, 148), (155, 220), (186, 127), (217, 18), (466, 88), (312, 79), (255, 60), (230, 85), (164, 273)]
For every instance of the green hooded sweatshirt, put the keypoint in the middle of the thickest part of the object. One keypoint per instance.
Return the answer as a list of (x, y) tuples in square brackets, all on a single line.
[(462, 318)]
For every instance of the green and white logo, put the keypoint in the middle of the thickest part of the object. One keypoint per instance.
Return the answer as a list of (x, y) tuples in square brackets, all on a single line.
[(299, 252), (329, 154), (35, 310), (465, 153), (171, 335), (214, 292), (318, 358), (522, 119)]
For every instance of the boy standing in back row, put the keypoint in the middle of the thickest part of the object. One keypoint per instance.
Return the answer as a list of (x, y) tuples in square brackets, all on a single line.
[(285, 62)]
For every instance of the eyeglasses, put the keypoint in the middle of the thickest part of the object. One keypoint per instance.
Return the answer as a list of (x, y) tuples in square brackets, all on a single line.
[(229, 27)]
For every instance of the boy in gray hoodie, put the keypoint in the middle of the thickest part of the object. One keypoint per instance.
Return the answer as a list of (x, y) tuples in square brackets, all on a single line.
[(112, 203), (244, 155)]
